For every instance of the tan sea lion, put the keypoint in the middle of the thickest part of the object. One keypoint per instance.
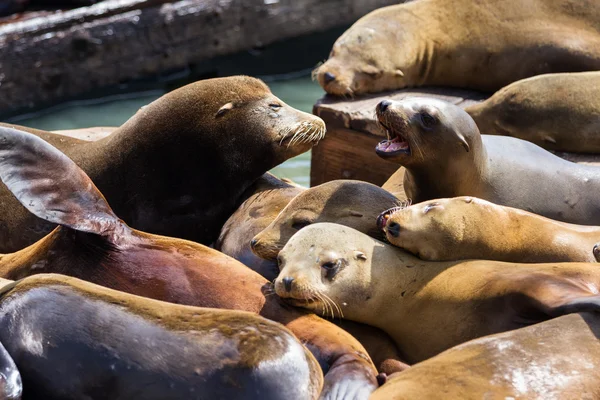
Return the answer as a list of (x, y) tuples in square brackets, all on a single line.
[(555, 111), (445, 156), (482, 45), (556, 359), (347, 202), (263, 201), (426, 307), (463, 228), (179, 166), (93, 244), (75, 340)]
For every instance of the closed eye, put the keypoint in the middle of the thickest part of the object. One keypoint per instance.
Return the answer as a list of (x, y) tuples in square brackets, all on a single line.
[(275, 106)]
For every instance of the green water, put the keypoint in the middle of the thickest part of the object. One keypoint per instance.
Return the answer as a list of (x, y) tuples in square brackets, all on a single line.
[(300, 93)]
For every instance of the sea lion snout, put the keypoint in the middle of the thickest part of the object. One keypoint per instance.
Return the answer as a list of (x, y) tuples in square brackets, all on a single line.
[(328, 77), (393, 228), (383, 105), (287, 283)]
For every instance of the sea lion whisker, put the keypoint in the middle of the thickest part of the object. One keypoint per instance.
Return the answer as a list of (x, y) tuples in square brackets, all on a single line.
[(338, 308)]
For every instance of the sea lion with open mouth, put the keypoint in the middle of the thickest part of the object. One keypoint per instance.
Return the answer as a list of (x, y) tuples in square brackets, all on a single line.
[(426, 307), (179, 166), (445, 156)]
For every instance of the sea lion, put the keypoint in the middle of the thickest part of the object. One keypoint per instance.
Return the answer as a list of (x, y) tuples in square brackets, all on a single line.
[(395, 184), (556, 359), (93, 244), (464, 228), (445, 156), (555, 111), (483, 46), (101, 343), (264, 200), (11, 386), (179, 166), (426, 307), (347, 202), (268, 195)]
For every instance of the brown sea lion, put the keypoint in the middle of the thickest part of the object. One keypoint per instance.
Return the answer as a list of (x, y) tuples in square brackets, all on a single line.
[(347, 202), (556, 359), (179, 166), (264, 200), (445, 156), (100, 343), (463, 228), (267, 197), (555, 111), (426, 307), (484, 45), (93, 244)]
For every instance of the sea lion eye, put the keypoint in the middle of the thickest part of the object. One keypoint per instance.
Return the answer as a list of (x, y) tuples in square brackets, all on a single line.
[(331, 268), (297, 225), (275, 106), (280, 262), (427, 120)]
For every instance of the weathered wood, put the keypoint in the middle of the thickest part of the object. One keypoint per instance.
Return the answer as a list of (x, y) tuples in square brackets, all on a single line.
[(65, 54), (348, 150)]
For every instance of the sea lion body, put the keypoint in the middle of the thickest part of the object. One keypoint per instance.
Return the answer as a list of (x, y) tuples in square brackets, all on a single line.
[(133, 347), (179, 166), (445, 156), (555, 111), (347, 202), (555, 359), (483, 46), (93, 244), (265, 199), (426, 307), (463, 228)]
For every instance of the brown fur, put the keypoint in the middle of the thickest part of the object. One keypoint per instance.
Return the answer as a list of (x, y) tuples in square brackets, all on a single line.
[(556, 359), (464, 228), (111, 254), (482, 45), (555, 111), (426, 307), (352, 203), (179, 166), (448, 157)]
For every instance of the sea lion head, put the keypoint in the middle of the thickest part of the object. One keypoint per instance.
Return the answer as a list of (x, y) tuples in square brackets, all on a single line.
[(325, 267), (346, 202), (435, 229), (419, 128), (237, 117), (360, 62)]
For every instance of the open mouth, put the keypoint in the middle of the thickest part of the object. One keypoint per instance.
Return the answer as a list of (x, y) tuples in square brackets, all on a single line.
[(394, 145)]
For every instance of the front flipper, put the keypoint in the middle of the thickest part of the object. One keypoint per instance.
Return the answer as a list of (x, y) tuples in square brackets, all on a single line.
[(51, 186)]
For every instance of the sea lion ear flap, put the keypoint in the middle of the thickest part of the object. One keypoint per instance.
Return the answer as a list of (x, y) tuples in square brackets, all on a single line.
[(50, 185), (464, 143)]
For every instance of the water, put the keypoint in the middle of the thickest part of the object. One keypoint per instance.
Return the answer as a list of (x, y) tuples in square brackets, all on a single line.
[(300, 93)]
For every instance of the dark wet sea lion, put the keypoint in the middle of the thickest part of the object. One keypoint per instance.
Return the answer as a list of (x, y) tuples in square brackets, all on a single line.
[(179, 166), (555, 111), (427, 307), (445, 156), (556, 359), (263, 201), (92, 244), (462, 228), (75, 340), (483, 45), (11, 386), (352, 203)]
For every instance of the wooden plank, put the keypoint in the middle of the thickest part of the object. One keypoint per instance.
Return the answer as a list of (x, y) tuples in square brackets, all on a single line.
[(61, 55)]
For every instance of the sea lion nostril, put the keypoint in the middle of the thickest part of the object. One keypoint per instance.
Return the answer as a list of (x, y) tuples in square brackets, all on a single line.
[(287, 283), (329, 77), (253, 243), (596, 252), (383, 105), (393, 229)]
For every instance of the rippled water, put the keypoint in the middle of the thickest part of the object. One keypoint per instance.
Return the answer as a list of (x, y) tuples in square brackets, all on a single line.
[(300, 93)]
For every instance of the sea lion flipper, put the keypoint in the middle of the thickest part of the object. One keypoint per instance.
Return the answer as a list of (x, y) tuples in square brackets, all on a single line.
[(50, 185)]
